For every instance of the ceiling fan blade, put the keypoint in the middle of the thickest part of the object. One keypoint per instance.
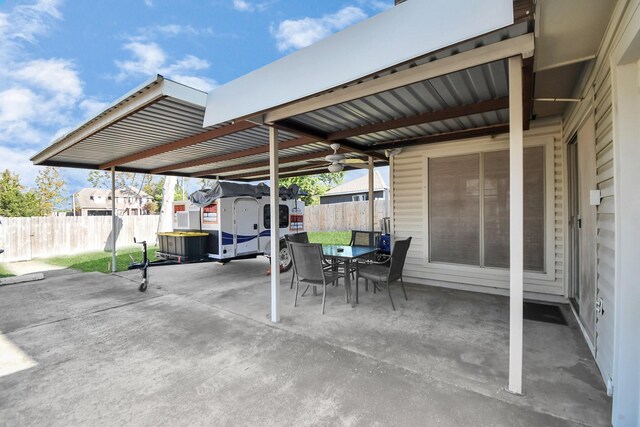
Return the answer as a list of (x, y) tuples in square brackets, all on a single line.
[(353, 161)]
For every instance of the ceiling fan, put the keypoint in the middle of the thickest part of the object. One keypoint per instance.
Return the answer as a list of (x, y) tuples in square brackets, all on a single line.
[(337, 161)]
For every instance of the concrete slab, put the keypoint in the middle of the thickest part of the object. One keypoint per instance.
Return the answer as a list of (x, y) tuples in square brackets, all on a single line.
[(197, 349), (29, 267), (30, 304), (14, 280)]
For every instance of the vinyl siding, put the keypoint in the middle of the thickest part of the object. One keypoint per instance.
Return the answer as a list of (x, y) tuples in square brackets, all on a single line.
[(410, 213), (597, 96)]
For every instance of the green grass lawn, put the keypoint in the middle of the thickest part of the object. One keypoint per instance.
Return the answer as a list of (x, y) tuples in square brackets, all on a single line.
[(330, 237), (100, 261), (4, 272)]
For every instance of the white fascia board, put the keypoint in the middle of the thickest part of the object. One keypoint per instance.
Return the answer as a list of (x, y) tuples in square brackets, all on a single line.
[(143, 95), (401, 33)]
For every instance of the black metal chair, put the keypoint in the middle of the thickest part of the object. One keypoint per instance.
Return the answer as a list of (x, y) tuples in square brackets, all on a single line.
[(309, 268), (386, 272)]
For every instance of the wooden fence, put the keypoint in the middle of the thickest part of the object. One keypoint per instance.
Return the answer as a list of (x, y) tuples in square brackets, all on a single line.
[(25, 238), (39, 237), (343, 216)]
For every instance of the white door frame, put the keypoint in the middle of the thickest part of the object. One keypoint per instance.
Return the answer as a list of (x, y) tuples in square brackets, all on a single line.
[(625, 73)]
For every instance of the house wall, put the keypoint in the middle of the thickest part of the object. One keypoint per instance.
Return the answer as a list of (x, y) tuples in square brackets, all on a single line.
[(596, 92), (343, 198), (410, 216)]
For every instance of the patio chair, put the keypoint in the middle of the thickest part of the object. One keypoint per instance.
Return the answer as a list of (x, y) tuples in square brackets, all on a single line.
[(309, 268), (386, 272), (365, 238), (297, 238)]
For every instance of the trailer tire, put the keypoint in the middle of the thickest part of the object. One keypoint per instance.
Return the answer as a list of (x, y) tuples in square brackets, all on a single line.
[(284, 257)]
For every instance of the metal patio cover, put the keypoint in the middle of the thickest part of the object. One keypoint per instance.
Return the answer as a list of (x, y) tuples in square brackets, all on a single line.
[(158, 127)]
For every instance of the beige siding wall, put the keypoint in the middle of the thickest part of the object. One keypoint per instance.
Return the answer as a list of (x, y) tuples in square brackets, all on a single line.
[(409, 201), (597, 95)]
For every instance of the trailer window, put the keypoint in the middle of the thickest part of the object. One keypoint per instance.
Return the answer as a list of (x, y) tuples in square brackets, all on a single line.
[(284, 216)]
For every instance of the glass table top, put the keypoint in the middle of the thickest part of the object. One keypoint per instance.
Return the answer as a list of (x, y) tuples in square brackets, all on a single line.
[(345, 251)]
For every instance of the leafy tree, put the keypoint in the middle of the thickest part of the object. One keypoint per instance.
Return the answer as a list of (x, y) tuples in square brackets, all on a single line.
[(102, 179), (153, 187), (99, 179), (314, 185), (151, 207), (50, 187), (181, 184), (15, 200)]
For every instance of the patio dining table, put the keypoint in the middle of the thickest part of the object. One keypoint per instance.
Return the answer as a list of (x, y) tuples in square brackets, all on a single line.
[(347, 254)]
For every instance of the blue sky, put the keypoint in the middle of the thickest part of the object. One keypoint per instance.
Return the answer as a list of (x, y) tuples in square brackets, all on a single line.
[(63, 61)]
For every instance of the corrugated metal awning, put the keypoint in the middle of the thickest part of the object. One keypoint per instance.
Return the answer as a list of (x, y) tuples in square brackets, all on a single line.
[(457, 92)]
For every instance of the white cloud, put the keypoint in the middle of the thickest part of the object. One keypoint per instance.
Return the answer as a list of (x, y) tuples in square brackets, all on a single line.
[(26, 22), (202, 83), (242, 5), (90, 108), (188, 63), (149, 59), (378, 5), (16, 104), (56, 76), (299, 33), (17, 161), (37, 95), (149, 3)]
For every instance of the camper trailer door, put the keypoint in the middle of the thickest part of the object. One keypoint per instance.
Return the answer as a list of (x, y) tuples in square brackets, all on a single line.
[(245, 218)]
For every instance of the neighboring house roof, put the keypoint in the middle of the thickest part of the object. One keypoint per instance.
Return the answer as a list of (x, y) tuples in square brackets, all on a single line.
[(359, 185), (98, 198)]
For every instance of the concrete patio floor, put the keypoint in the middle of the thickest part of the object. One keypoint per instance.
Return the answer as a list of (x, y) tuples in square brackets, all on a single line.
[(198, 349)]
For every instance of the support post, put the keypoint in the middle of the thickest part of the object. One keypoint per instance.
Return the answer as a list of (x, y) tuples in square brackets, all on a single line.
[(114, 264), (274, 200), (516, 224), (371, 196)]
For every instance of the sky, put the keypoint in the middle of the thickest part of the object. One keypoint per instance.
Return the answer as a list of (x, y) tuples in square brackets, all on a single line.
[(65, 60)]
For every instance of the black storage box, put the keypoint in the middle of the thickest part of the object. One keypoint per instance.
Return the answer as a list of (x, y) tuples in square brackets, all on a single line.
[(188, 245)]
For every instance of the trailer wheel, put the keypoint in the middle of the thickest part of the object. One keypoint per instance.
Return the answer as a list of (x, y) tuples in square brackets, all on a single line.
[(284, 257)]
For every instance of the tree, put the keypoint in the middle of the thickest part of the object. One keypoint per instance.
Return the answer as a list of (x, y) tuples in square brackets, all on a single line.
[(102, 179), (99, 179), (151, 207), (153, 187), (49, 185), (314, 185), (14, 199), (181, 192), (206, 182)]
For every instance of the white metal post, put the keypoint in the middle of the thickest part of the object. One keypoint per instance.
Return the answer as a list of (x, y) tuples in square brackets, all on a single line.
[(371, 194), (274, 198), (516, 223), (114, 266)]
